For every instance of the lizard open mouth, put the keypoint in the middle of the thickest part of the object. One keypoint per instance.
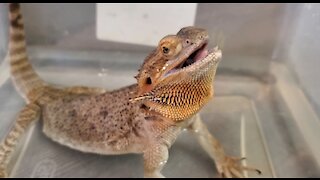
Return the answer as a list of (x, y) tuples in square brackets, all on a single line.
[(197, 55)]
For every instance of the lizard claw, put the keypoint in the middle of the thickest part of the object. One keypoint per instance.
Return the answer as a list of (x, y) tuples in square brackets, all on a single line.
[(230, 167)]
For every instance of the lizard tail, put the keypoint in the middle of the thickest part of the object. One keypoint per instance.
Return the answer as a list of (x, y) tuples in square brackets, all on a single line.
[(23, 75)]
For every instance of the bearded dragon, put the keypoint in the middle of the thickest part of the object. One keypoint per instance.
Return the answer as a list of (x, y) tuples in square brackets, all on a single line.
[(173, 84)]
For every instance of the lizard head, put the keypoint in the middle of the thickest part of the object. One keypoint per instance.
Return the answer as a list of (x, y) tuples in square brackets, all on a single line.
[(176, 79)]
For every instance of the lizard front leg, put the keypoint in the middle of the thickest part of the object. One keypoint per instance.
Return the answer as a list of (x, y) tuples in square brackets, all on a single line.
[(227, 166), (155, 157), (27, 115)]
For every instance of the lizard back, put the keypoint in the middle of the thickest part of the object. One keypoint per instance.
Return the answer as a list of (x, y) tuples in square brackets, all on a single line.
[(104, 124)]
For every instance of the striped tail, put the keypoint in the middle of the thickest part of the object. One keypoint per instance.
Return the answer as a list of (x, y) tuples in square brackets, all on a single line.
[(23, 75)]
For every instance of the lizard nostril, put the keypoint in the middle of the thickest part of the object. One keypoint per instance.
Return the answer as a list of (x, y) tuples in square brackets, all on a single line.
[(189, 42)]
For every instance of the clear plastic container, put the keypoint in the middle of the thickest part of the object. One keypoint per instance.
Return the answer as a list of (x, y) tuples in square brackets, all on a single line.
[(266, 105)]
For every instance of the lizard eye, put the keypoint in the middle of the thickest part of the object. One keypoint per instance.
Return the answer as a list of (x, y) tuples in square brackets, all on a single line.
[(171, 49), (165, 50), (170, 46)]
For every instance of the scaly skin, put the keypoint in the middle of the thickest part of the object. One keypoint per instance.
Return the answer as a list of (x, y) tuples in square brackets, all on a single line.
[(141, 118)]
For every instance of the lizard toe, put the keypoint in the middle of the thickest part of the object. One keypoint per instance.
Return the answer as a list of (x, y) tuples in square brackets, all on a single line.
[(231, 167)]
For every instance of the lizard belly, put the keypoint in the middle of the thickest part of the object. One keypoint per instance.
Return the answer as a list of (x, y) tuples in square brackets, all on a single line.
[(91, 147)]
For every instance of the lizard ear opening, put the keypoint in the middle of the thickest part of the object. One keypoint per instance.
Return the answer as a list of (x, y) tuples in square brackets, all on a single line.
[(148, 80), (145, 85), (144, 107)]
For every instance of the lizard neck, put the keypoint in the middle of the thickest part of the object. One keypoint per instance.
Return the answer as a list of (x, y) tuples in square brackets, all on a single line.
[(180, 98)]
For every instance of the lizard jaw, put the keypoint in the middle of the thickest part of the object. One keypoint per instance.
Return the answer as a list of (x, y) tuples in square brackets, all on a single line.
[(197, 55), (200, 56)]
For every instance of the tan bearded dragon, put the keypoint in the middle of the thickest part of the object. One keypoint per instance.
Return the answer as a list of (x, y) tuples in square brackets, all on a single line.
[(173, 84)]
